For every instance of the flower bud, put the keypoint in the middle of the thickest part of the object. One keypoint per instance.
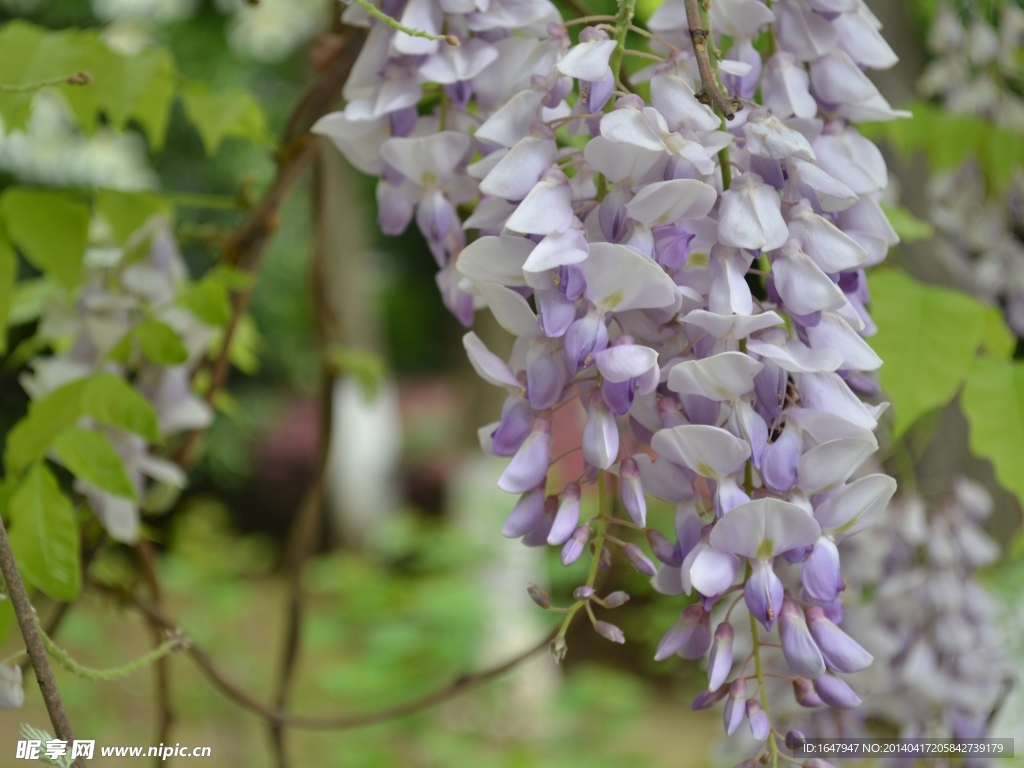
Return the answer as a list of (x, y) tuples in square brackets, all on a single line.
[(604, 560), (802, 655), (609, 632), (567, 517), (615, 599), (732, 716), (573, 548), (835, 692), (720, 660), (758, 719), (803, 692), (662, 548), (794, 739), (539, 596), (583, 593), (633, 492), (639, 560), (708, 699), (840, 651), (529, 466)]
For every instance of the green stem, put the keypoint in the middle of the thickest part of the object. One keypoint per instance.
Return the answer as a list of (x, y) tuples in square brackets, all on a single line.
[(558, 646), (75, 78), (759, 671), (396, 25), (203, 200), (61, 656), (622, 21)]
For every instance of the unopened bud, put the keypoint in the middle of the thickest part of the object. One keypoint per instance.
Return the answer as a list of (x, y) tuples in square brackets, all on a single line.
[(573, 548), (615, 599), (539, 596), (795, 738), (452, 40), (609, 632), (639, 560), (662, 548), (583, 593), (79, 78)]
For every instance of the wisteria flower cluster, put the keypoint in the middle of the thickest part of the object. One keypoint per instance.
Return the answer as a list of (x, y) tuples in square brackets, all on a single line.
[(977, 67), (95, 333), (612, 224), (940, 669)]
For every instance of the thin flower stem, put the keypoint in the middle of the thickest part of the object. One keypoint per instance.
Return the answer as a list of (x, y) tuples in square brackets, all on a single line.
[(586, 20), (567, 453), (396, 25), (760, 674), (643, 55), (568, 119), (558, 646), (651, 36)]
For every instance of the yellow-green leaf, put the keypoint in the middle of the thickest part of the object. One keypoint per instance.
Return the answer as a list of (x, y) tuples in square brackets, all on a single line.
[(50, 229), (993, 402), (160, 343), (126, 212), (997, 339), (47, 417), (927, 337), (219, 114), (907, 225), (113, 402), (89, 456), (44, 535)]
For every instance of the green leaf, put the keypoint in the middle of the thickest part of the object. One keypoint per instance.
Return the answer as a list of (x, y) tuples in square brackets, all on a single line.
[(29, 297), (127, 212), (8, 278), (207, 300), (89, 456), (152, 108), (907, 225), (49, 229), (928, 336), (44, 535), (993, 402), (47, 417), (997, 339), (113, 402), (160, 343), (219, 114)]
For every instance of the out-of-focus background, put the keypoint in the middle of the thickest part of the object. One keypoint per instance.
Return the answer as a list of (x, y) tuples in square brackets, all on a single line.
[(411, 585)]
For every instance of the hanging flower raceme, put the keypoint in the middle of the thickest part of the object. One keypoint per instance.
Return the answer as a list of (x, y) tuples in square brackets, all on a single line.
[(939, 668), (686, 271), (128, 321)]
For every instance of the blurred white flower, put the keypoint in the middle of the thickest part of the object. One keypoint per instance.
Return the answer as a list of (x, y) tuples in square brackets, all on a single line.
[(271, 30), (157, 11), (51, 150)]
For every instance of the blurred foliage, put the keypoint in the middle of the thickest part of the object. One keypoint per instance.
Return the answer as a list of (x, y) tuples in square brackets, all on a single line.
[(948, 139)]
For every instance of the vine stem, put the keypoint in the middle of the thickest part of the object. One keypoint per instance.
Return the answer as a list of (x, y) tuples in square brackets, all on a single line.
[(26, 617), (623, 19), (115, 673), (711, 92), (462, 684)]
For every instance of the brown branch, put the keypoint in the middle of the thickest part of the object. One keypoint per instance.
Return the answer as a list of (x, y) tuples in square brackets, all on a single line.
[(33, 641), (710, 93), (247, 248), (457, 687), (165, 714)]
